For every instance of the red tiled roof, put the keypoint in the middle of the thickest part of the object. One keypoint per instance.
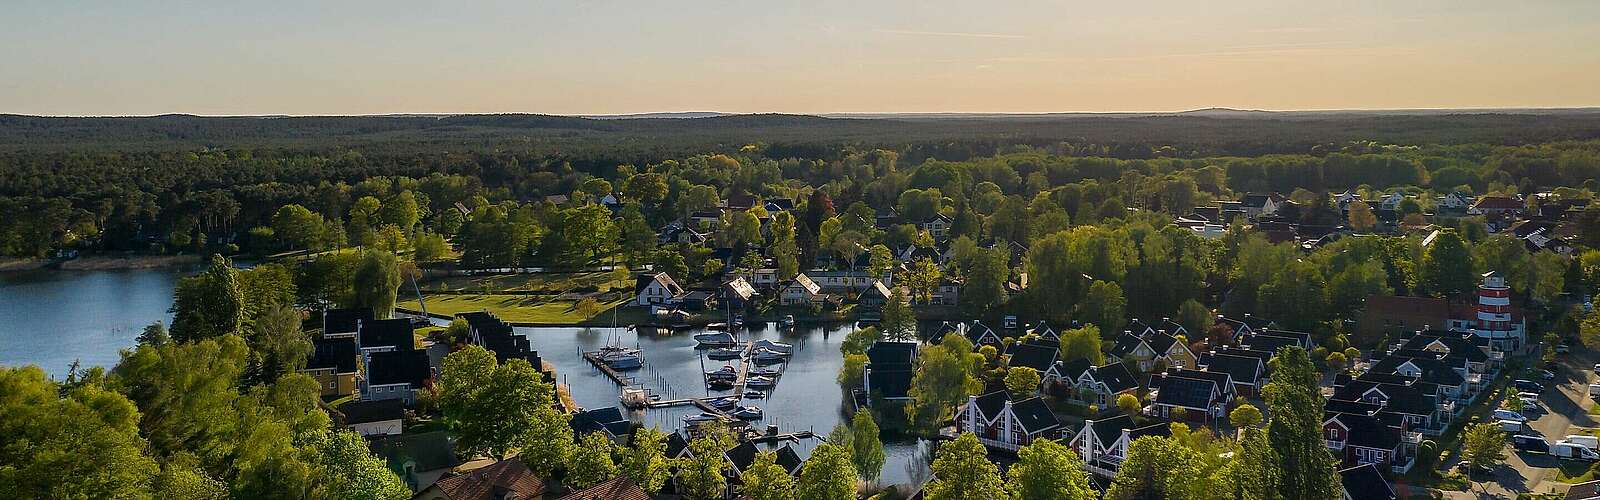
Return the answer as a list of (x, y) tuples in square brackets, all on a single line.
[(506, 479), (1497, 202), (619, 489)]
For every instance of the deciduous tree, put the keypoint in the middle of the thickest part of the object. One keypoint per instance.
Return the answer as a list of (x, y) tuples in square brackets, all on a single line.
[(1047, 470), (962, 471)]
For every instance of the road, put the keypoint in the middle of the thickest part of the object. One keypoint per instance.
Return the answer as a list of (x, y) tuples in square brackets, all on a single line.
[(1567, 408)]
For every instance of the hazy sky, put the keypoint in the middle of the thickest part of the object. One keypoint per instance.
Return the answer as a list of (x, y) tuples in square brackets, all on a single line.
[(66, 57)]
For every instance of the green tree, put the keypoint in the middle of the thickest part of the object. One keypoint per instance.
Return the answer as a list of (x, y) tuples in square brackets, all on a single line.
[(1245, 415), (1361, 216), (942, 380), (208, 305), (401, 210), (866, 447), (828, 474), (349, 470), (591, 462), (1103, 306), (898, 319), (1305, 468), (1022, 381), (1161, 467), (1081, 343), (766, 480), (498, 408), (985, 287), (430, 247), (784, 249), (1447, 266), (1047, 470), (1483, 446), (182, 477), (298, 227), (83, 443), (1195, 318), (858, 340), (638, 238), (922, 279), (1295, 296), (364, 219), (1254, 473), (962, 471), (646, 463), (1129, 404), (880, 262), (277, 346), (376, 281), (851, 373), (700, 477)]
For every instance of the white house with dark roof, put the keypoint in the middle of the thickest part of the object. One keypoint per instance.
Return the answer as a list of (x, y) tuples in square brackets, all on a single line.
[(801, 291), (1003, 424), (1081, 382), (657, 289), (1203, 396), (1103, 443)]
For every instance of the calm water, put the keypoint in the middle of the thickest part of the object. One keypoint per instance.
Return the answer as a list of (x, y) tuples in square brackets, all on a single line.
[(807, 397), (50, 318)]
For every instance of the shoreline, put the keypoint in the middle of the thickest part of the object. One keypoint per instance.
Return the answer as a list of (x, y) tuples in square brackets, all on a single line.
[(101, 263)]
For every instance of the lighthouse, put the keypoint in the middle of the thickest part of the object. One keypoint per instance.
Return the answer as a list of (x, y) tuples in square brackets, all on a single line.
[(1495, 320)]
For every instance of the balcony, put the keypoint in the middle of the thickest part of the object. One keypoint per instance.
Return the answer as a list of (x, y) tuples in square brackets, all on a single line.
[(1333, 445), (1411, 437), (1402, 465)]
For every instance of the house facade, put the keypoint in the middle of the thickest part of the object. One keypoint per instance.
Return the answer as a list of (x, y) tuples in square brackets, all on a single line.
[(1002, 424), (657, 289), (801, 291)]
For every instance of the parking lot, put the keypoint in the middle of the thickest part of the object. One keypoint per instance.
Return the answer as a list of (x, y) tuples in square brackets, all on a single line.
[(1567, 403)]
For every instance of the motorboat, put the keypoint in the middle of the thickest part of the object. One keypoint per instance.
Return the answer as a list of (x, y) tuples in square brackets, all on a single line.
[(760, 382), (778, 347), (727, 372), (719, 384), (747, 413), (725, 354), (754, 394), (701, 418), (724, 404), (767, 357), (788, 321), (764, 372), (622, 362), (714, 339)]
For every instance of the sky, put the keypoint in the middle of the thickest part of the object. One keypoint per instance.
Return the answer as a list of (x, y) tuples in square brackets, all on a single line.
[(70, 57)]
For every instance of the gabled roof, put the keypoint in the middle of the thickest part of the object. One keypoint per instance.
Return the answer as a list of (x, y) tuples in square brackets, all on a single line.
[(495, 481), (992, 403), (1368, 432), (676, 445), (743, 455), (620, 488), (1125, 344), (397, 367), (1269, 343), (888, 353), (1366, 482), (423, 451), (877, 289), (1034, 415), (608, 419), (340, 354), (1071, 370), (1303, 338), (893, 381), (644, 280), (1109, 430), (1415, 399), (362, 412), (394, 333), (789, 460), (1243, 369), (1035, 356), (1188, 390), (337, 321), (803, 281), (1116, 377), (1497, 203)]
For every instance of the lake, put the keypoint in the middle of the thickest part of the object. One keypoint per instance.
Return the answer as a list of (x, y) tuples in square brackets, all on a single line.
[(50, 318)]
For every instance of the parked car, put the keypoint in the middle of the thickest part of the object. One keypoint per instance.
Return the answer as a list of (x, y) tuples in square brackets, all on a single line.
[(1597, 368), (1573, 451), (1533, 406), (1504, 414), (1515, 426), (1528, 443), (1528, 385), (1594, 390), (1563, 349), (1586, 440), (1547, 374)]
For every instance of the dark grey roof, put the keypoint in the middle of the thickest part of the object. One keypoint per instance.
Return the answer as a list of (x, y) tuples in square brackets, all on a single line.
[(397, 367), (1433, 370), (1268, 343), (1184, 391), (743, 456), (1073, 369), (1244, 370), (1408, 399), (886, 354), (1366, 482), (676, 445), (1368, 432), (1036, 356), (644, 280), (426, 451), (344, 320), (789, 460), (890, 382), (992, 403), (608, 419), (1116, 377), (339, 354), (1160, 341), (387, 333), (361, 412), (1125, 344), (1034, 415), (1108, 430), (1302, 337), (1352, 407)]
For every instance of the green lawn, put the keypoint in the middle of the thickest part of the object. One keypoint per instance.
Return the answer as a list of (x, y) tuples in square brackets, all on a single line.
[(530, 282), (512, 308)]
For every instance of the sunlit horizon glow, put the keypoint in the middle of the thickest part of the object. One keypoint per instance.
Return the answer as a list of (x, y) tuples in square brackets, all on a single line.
[(614, 57)]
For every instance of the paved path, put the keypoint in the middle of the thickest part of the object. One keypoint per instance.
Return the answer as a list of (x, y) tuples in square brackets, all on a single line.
[(1567, 407)]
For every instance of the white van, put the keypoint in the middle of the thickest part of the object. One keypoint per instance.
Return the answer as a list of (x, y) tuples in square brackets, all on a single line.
[(1590, 441), (1594, 390), (1514, 427), (1573, 451)]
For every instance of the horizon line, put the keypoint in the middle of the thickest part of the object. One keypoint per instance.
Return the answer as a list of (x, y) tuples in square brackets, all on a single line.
[(826, 114)]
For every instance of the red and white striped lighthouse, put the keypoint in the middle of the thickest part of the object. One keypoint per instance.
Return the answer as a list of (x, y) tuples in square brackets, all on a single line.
[(1494, 316)]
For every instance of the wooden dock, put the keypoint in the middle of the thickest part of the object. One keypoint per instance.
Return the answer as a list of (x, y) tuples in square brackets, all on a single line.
[(616, 376)]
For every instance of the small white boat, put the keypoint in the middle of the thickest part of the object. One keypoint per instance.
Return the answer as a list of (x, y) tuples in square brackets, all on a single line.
[(724, 404), (788, 321), (754, 394), (624, 362), (760, 382), (725, 354), (766, 357), (764, 372), (726, 372), (778, 347), (719, 384), (701, 418), (714, 339), (747, 413)]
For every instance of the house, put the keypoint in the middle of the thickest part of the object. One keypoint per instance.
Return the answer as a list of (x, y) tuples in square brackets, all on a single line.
[(1366, 440), (374, 418), (764, 278), (503, 480), (1203, 396), (608, 421), (1039, 356), (1103, 443), (1455, 200), (1496, 206), (343, 323), (1003, 424), (335, 365), (657, 289), (620, 488), (698, 300), (420, 459), (875, 296), (1248, 372), (396, 375), (1246, 324), (678, 233), (1390, 201), (1259, 204), (1459, 348), (800, 291), (1402, 402), (846, 281), (947, 293), (888, 371), (937, 225), (1045, 332), (1366, 482), (557, 199), (488, 331), (385, 335), (737, 293), (1389, 315), (1273, 340), (1152, 347), (1081, 382)]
